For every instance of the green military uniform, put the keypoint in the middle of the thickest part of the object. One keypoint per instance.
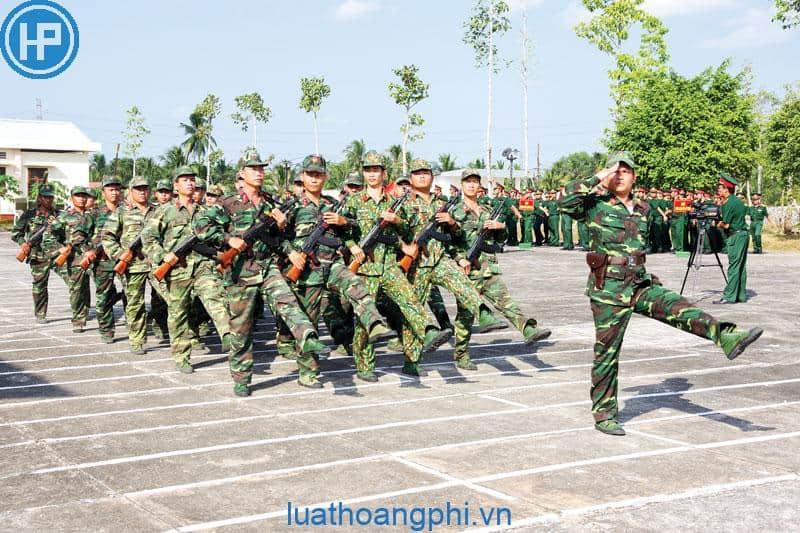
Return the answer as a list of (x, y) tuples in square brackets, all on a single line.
[(677, 229), (540, 227), (737, 240), (169, 226), (486, 277), (253, 271), (566, 232), (40, 257), (380, 273), (76, 228), (434, 267), (103, 269), (553, 224), (118, 233), (619, 285), (757, 214), (326, 272), (526, 209), (511, 221)]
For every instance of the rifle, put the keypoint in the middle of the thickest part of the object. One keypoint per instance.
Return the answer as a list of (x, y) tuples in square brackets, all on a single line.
[(183, 249), (62, 257), (35, 240), (375, 235), (316, 238), (430, 232), (127, 256), (86, 262), (480, 245), (254, 232)]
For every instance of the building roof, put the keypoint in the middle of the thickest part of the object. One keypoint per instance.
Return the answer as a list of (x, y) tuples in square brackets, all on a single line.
[(44, 135)]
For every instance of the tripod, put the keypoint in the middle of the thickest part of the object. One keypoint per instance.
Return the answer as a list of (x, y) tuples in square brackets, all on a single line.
[(696, 257)]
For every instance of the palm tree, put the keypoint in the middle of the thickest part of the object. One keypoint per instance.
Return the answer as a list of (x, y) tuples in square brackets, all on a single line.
[(173, 158), (97, 166), (478, 163), (199, 141), (354, 153), (447, 162)]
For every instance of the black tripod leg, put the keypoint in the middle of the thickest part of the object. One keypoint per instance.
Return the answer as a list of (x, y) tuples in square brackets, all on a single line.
[(721, 269), (688, 267)]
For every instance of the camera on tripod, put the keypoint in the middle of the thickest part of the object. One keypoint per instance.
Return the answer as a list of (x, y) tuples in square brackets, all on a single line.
[(705, 212)]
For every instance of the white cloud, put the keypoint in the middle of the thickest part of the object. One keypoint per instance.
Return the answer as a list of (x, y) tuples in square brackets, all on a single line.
[(353, 9), (749, 28), (575, 13), (670, 8)]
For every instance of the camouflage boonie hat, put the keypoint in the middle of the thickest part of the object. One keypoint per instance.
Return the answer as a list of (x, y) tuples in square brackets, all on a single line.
[(469, 172), (200, 183), (45, 190), (419, 164), (354, 179), (372, 159), (620, 157), (164, 185), (80, 189), (215, 190), (314, 163), (183, 171), (297, 179), (111, 180), (402, 179), (139, 181)]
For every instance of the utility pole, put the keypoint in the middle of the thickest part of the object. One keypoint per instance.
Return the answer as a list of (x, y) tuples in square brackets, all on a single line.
[(538, 162), (39, 115)]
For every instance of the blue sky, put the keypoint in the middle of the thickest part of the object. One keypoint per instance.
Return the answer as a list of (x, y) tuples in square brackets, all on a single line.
[(165, 56)]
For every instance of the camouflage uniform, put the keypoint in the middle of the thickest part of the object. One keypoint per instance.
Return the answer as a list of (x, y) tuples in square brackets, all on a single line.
[(627, 288), (195, 275), (325, 275), (434, 267), (486, 278), (76, 228), (118, 233), (40, 257), (381, 273), (103, 269), (253, 271)]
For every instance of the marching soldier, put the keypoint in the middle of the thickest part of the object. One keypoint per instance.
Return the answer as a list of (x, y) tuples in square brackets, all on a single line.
[(618, 284), (168, 228), (74, 229), (158, 289), (119, 236), (39, 255), (472, 218), (213, 194), (325, 272), (380, 271), (103, 266), (253, 271)]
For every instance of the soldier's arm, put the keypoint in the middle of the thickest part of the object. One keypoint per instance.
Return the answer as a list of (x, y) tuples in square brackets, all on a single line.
[(289, 235), (212, 226), (458, 247), (349, 212), (21, 227), (151, 238), (58, 229), (111, 234), (578, 198)]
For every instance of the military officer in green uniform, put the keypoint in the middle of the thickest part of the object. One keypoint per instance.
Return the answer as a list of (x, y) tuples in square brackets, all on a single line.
[(758, 214), (553, 220), (737, 239), (39, 255), (566, 226), (619, 285)]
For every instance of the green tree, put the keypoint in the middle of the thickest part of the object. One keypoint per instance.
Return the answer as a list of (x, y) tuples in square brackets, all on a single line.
[(9, 187), (97, 167), (173, 158), (312, 92), (489, 21), (783, 138), (354, 154), (609, 29), (477, 163), (788, 13), (250, 110), (196, 144), (60, 192), (447, 162), (134, 134), (409, 92), (684, 131)]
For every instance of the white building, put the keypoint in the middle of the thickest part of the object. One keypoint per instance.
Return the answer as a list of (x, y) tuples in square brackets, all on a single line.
[(31, 148)]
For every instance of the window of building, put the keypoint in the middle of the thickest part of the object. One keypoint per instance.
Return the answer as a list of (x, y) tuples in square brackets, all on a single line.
[(36, 175)]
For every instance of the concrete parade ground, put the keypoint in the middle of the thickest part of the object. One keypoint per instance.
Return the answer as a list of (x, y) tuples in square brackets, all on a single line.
[(95, 438)]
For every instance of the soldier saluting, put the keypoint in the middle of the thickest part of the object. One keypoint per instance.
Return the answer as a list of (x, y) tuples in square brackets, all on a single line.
[(618, 284)]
